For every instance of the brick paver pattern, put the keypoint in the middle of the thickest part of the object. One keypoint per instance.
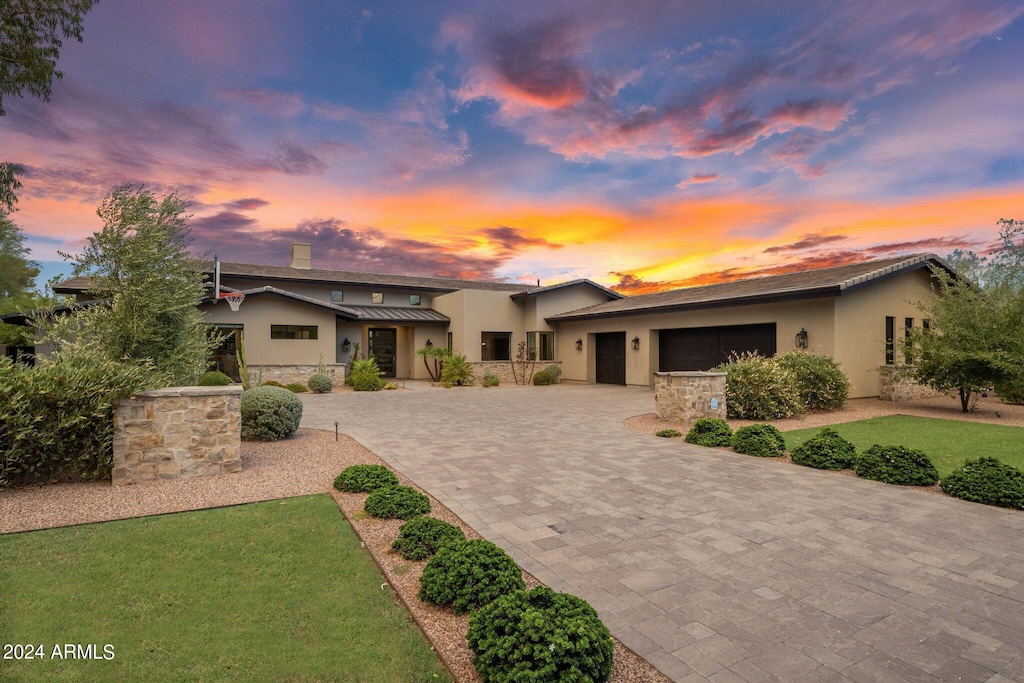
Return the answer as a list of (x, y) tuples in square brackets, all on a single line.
[(711, 565)]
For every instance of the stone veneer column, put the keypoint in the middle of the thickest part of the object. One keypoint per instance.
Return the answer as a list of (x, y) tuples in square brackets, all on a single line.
[(176, 433), (894, 388), (687, 396)]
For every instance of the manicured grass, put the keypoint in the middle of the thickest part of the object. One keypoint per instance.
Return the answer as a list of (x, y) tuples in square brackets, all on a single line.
[(949, 443), (264, 592)]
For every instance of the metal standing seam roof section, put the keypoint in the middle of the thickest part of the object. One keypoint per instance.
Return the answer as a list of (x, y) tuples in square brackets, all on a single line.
[(398, 314), (832, 281)]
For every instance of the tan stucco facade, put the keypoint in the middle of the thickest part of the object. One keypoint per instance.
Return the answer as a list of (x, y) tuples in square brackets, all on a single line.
[(850, 328)]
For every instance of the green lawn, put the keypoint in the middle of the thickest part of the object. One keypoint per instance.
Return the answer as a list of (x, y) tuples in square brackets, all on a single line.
[(948, 442), (264, 592)]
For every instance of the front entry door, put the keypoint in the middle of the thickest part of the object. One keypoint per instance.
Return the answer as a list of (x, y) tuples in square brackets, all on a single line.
[(611, 357), (383, 342)]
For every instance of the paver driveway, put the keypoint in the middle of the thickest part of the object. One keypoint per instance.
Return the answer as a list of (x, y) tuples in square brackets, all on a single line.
[(711, 565)]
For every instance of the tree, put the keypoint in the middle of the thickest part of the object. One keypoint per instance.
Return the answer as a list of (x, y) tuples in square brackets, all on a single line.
[(976, 340), (17, 279), (30, 42), (149, 286)]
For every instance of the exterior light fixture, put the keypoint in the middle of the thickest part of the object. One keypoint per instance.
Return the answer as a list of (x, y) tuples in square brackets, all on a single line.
[(636, 343), (579, 344), (430, 344), (801, 339), (346, 345)]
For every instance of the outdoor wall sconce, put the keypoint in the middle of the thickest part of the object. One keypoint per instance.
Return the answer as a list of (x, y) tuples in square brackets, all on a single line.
[(636, 343), (346, 345), (430, 344), (579, 344), (801, 339)]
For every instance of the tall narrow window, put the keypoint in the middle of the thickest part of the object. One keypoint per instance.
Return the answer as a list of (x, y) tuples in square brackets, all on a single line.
[(908, 344), (926, 324), (890, 339), (449, 342)]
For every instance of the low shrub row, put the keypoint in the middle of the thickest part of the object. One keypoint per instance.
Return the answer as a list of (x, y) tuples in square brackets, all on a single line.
[(759, 388), (515, 634)]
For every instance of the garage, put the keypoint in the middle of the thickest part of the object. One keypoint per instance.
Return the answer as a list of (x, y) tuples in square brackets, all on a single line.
[(611, 357), (702, 348)]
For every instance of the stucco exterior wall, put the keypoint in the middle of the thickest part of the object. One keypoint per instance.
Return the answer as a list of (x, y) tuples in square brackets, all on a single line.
[(814, 315), (860, 325), (257, 314), (559, 301), (476, 311)]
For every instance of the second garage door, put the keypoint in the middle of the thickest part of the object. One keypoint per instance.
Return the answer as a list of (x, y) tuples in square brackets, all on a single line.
[(702, 348)]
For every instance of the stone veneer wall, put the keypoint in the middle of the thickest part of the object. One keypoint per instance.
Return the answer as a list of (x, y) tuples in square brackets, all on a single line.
[(686, 396), (901, 389), (176, 433), (503, 369), (286, 374)]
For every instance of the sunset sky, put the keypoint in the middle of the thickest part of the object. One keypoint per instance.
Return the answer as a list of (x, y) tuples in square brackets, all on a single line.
[(642, 144)]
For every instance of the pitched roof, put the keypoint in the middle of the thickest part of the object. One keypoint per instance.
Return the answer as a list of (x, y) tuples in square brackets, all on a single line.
[(392, 314), (534, 291), (820, 282)]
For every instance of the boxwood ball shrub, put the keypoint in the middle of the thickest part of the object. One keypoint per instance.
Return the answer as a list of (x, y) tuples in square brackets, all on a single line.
[(989, 481), (320, 383), (213, 378), (896, 465), (820, 380), (270, 413), (365, 478), (758, 388), (710, 431), (421, 537), (762, 440), (826, 450), (548, 375), (540, 635), (396, 502), (468, 575)]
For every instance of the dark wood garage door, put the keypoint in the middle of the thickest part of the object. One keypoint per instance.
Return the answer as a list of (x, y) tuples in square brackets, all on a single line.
[(611, 357), (702, 348)]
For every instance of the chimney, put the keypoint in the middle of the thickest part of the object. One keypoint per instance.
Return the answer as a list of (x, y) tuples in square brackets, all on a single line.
[(301, 255)]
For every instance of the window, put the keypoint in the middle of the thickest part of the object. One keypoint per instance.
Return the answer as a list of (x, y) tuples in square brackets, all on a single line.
[(414, 299), (495, 345), (293, 331), (541, 345), (890, 339), (908, 344), (926, 324), (449, 342), (337, 295), (377, 297)]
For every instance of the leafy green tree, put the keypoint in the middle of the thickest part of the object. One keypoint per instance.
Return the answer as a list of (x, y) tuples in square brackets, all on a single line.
[(17, 279), (140, 268), (31, 33), (976, 340)]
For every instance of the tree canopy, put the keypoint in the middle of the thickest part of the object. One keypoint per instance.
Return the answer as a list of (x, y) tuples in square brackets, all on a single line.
[(976, 340), (149, 287)]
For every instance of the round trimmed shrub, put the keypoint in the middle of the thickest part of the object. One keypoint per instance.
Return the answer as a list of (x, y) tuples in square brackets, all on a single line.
[(758, 388), (540, 635), (421, 537), (826, 450), (820, 380), (762, 440), (710, 431), (270, 414), (320, 383), (547, 376), (988, 481), (896, 465), (365, 478), (396, 502), (213, 378), (469, 574)]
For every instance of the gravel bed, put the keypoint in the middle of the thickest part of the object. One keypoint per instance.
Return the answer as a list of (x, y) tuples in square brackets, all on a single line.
[(305, 464)]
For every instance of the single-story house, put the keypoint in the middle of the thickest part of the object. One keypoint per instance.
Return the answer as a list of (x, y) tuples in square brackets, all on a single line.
[(294, 316)]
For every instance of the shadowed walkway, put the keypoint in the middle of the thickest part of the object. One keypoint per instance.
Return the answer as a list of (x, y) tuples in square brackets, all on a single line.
[(713, 566)]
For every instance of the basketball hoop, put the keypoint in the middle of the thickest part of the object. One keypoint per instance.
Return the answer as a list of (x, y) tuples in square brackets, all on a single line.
[(234, 299)]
